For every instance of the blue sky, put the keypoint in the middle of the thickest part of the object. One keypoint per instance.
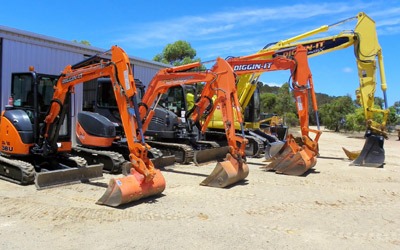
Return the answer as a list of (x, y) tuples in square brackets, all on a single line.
[(217, 28)]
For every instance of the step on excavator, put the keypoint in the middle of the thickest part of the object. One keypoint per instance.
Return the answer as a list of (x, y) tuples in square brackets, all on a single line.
[(368, 53), (22, 134), (294, 156), (143, 180), (219, 91)]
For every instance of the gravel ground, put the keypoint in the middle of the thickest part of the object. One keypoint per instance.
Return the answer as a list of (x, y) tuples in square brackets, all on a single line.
[(335, 206)]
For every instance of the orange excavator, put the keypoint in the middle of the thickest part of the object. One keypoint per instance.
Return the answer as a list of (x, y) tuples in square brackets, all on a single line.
[(143, 180), (219, 91), (296, 155), (20, 131)]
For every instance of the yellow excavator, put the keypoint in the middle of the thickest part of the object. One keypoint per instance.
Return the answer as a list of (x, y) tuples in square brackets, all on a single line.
[(273, 124), (368, 54)]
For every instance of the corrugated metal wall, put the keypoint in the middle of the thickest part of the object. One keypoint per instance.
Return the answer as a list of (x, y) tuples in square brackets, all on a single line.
[(21, 49), (18, 56), (49, 55), (145, 71), (142, 71)]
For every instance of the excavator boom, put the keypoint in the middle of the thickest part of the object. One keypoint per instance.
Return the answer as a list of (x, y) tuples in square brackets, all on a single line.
[(289, 157), (144, 180), (219, 83), (369, 58)]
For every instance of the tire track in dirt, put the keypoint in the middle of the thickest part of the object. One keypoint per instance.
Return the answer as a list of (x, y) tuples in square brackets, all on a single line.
[(358, 205), (32, 210)]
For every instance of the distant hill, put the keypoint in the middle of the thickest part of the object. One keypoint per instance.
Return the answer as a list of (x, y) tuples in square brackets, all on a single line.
[(321, 97)]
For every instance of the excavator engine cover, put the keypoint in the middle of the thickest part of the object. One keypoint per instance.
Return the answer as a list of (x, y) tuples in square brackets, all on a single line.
[(372, 154), (130, 188), (227, 173)]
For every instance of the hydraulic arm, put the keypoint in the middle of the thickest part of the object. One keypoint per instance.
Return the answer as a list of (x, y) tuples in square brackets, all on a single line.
[(294, 157), (144, 180), (219, 84), (369, 57)]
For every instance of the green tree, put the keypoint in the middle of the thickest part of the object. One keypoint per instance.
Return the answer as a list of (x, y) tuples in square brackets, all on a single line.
[(85, 42), (177, 53), (265, 88), (396, 105), (285, 101), (268, 102), (291, 119), (355, 121), (379, 102), (393, 118), (333, 114), (324, 98), (285, 106)]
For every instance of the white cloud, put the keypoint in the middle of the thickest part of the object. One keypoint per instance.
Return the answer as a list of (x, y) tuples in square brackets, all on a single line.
[(347, 70), (244, 31), (233, 23)]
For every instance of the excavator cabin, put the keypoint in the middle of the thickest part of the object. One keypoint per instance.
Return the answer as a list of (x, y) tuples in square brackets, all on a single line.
[(21, 128)]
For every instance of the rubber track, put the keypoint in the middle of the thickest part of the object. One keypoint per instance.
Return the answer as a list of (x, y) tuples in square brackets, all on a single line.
[(80, 161), (185, 150), (116, 158), (211, 144), (27, 171), (260, 145)]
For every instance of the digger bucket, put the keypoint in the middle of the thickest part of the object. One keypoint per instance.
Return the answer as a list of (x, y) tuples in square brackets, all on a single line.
[(372, 154), (293, 159), (352, 155), (212, 154), (131, 188), (227, 173), (272, 149), (68, 176)]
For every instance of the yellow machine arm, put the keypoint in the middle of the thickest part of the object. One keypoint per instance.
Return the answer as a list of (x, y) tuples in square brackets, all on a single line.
[(368, 54)]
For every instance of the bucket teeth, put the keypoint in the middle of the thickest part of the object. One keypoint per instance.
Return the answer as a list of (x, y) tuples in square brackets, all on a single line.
[(352, 155), (293, 160), (227, 173)]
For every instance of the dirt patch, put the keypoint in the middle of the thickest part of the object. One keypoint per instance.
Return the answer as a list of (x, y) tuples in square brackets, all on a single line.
[(336, 206)]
